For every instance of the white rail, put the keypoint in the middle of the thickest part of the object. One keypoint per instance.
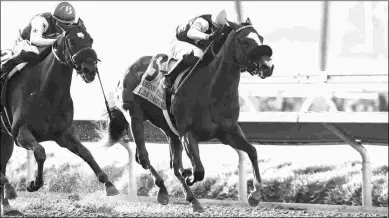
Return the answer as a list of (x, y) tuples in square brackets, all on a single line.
[(319, 85)]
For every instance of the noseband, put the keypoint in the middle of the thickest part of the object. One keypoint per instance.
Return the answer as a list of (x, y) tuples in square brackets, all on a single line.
[(251, 66)]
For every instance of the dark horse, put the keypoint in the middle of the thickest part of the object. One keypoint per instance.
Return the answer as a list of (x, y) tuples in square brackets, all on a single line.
[(206, 106), (40, 107)]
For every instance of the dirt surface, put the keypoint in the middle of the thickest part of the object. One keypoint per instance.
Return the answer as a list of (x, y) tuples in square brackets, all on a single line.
[(98, 205)]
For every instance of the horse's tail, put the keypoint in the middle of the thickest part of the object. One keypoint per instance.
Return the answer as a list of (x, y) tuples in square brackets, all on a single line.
[(117, 126)]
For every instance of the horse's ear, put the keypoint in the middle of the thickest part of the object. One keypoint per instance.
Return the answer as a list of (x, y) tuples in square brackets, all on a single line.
[(232, 24), (80, 22), (248, 21)]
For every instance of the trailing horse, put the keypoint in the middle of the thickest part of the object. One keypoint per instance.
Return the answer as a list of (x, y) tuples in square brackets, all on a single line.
[(37, 105), (204, 105)]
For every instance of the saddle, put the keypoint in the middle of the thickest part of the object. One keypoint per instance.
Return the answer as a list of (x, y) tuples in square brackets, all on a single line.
[(6, 74)]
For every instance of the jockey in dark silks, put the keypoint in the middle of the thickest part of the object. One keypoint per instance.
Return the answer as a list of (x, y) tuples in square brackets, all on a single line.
[(41, 32), (198, 29)]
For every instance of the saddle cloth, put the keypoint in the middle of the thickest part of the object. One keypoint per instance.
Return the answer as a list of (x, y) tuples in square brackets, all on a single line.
[(151, 86)]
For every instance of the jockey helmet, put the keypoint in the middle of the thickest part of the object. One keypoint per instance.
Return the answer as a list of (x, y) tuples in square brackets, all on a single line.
[(65, 13), (219, 18)]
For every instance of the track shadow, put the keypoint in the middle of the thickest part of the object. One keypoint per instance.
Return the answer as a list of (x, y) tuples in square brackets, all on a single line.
[(13, 213)]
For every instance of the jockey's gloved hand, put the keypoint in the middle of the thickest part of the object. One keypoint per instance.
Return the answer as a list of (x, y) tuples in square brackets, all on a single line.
[(214, 35)]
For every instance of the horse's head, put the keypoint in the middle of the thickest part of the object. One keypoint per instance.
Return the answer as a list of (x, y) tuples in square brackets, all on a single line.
[(250, 52), (74, 48)]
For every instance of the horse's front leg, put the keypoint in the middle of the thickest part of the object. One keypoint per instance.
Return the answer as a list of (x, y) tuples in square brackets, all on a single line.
[(26, 139), (70, 140), (10, 193), (237, 140), (7, 146), (192, 149), (6, 186)]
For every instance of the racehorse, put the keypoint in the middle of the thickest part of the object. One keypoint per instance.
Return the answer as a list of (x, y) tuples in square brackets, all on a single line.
[(205, 106), (38, 105)]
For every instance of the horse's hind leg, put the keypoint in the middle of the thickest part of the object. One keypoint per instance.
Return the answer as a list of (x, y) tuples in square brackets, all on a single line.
[(192, 149), (238, 141), (137, 129), (28, 141), (142, 157), (176, 156), (70, 140)]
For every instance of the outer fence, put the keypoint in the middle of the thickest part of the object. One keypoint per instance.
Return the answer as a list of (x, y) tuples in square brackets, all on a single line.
[(295, 128)]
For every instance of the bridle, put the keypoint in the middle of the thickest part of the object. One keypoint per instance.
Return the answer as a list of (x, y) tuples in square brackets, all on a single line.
[(66, 46), (74, 64), (251, 66)]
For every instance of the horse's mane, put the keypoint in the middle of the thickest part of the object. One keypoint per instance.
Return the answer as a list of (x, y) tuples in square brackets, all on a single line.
[(218, 44)]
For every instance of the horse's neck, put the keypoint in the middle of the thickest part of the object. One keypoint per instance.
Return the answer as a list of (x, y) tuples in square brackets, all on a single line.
[(55, 76), (226, 75)]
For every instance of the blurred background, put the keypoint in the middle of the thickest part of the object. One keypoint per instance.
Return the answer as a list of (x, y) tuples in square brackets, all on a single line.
[(357, 37)]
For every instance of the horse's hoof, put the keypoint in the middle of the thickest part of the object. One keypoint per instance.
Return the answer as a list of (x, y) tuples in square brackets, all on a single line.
[(198, 208), (33, 187), (252, 201), (189, 180), (112, 191), (10, 193), (5, 209), (163, 198)]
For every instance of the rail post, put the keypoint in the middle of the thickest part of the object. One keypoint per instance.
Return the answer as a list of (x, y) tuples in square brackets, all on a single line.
[(242, 183), (30, 166), (132, 186), (366, 167)]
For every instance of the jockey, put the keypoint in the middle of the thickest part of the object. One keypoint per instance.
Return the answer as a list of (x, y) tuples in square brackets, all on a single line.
[(41, 32), (188, 37)]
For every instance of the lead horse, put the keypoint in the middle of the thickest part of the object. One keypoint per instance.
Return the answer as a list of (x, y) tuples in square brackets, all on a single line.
[(205, 106), (38, 106)]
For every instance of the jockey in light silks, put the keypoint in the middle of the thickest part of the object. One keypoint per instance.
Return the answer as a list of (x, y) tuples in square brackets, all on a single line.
[(188, 36), (42, 31)]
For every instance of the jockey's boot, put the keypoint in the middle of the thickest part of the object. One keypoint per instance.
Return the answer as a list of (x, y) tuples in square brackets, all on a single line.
[(186, 62), (10, 64), (26, 56)]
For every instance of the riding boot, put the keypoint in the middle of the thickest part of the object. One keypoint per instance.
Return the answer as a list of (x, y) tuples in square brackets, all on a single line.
[(26, 56), (10, 64), (186, 62)]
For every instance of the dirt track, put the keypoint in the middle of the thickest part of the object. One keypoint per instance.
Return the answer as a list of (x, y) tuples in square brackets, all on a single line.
[(98, 205)]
